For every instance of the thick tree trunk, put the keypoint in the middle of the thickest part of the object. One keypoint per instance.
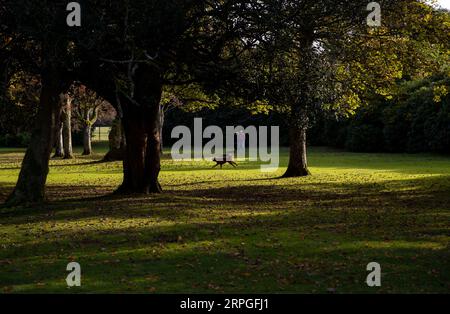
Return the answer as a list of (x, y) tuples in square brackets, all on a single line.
[(67, 129), (59, 146), (299, 121), (153, 154), (116, 142), (30, 187), (87, 144), (161, 126), (134, 157), (298, 162), (141, 164)]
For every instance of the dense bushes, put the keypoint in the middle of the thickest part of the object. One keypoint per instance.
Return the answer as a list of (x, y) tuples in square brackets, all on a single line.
[(15, 124), (15, 140), (16, 121), (417, 119)]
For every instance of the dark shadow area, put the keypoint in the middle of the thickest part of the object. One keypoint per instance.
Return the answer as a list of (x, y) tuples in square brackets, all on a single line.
[(146, 250), (305, 237), (92, 201)]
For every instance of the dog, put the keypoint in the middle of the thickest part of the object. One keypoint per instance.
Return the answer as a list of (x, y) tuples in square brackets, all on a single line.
[(227, 158)]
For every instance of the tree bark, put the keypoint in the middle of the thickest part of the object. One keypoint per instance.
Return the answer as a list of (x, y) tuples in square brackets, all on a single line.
[(153, 153), (161, 126), (304, 100), (140, 121), (59, 146), (298, 162), (116, 142), (67, 128), (87, 144), (141, 164), (30, 187)]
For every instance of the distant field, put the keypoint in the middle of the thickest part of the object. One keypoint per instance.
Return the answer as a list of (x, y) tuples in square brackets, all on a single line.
[(101, 133), (234, 230)]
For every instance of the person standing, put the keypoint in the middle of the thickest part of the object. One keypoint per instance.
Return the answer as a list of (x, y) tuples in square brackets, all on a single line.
[(241, 140)]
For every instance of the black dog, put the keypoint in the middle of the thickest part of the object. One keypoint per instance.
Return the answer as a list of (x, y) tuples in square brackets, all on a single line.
[(227, 158)]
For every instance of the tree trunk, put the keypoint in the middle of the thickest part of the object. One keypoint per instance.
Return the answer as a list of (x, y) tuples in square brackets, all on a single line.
[(59, 146), (161, 126), (298, 162), (153, 153), (67, 128), (116, 142), (141, 164), (87, 141), (30, 187), (134, 157), (305, 97)]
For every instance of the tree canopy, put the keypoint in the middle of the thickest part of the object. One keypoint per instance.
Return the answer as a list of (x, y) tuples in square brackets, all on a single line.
[(296, 58)]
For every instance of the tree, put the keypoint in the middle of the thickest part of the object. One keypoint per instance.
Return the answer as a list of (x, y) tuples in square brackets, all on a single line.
[(48, 47), (66, 115), (87, 106), (34, 170), (372, 69), (298, 64), (116, 142), (139, 47), (59, 146), (287, 67), (129, 51), (19, 104), (189, 98)]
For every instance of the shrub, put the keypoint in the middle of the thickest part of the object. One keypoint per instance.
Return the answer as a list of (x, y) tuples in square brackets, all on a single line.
[(19, 140)]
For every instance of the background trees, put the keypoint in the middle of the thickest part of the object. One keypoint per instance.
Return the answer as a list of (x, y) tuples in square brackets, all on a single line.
[(18, 108), (66, 118), (335, 63), (87, 106), (125, 52), (302, 60), (43, 45), (138, 48), (116, 142), (409, 52), (414, 120), (292, 66)]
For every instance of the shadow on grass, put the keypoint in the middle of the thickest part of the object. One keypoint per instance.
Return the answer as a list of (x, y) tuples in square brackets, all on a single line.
[(82, 201), (298, 251), (244, 235)]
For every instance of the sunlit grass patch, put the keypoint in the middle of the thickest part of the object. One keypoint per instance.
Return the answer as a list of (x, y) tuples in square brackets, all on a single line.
[(233, 230)]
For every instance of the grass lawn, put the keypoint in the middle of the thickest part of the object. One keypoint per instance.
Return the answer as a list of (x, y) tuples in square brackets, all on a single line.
[(234, 230)]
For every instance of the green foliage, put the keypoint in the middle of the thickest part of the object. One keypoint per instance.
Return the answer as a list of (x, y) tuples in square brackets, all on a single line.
[(412, 44), (419, 120), (188, 98), (416, 119), (364, 138), (21, 139), (18, 108)]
